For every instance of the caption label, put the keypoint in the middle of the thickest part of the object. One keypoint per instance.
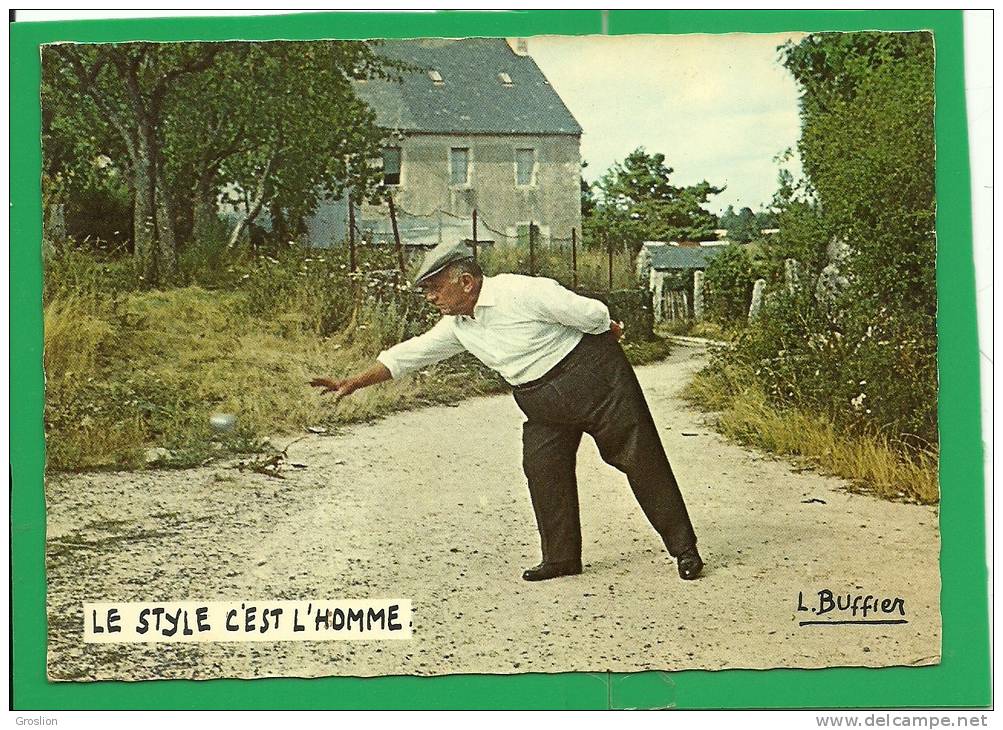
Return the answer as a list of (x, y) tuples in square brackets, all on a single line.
[(192, 621)]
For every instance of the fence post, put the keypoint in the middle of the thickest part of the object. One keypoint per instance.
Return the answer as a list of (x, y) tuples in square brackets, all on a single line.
[(656, 283), (574, 258), (475, 235), (532, 249), (397, 236), (351, 235), (757, 298), (698, 295)]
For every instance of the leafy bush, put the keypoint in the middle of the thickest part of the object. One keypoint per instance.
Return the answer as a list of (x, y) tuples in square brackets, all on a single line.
[(862, 370), (869, 459), (632, 307), (100, 213), (728, 286), (865, 358)]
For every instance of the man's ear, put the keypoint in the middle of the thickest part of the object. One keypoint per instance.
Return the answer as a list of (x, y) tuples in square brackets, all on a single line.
[(467, 281)]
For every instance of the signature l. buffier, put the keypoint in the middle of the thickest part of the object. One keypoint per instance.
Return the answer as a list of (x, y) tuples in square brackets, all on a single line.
[(851, 608)]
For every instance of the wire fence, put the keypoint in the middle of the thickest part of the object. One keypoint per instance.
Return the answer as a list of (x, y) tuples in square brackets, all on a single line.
[(533, 249)]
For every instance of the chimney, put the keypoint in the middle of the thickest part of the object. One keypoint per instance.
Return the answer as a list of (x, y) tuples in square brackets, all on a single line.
[(519, 46)]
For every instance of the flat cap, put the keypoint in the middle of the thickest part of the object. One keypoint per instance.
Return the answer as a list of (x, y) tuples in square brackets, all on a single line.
[(440, 257)]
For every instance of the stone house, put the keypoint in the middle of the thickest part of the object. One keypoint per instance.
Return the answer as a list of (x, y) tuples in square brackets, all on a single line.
[(474, 125)]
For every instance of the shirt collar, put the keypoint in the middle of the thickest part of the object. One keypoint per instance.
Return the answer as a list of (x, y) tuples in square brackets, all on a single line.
[(488, 293)]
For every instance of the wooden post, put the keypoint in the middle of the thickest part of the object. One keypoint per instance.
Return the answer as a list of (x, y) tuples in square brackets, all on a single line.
[(574, 258), (397, 236), (698, 284), (532, 250), (351, 235), (475, 235)]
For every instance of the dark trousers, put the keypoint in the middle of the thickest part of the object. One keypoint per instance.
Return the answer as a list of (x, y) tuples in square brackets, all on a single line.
[(596, 392)]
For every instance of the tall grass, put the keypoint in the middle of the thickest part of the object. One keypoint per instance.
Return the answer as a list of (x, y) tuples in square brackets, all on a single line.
[(870, 460)]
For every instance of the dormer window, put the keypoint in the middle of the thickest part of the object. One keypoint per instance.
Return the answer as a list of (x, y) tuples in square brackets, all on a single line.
[(436, 77), (505, 79)]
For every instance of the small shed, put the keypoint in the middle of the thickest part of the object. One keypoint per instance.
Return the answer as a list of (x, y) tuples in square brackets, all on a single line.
[(668, 269)]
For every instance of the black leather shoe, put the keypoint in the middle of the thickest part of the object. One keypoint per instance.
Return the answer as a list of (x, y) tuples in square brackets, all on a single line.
[(690, 564), (546, 571)]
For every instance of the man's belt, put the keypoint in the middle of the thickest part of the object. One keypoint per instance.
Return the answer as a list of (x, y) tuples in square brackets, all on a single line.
[(550, 374)]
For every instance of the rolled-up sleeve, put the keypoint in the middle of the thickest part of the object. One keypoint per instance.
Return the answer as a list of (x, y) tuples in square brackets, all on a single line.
[(437, 344), (551, 302)]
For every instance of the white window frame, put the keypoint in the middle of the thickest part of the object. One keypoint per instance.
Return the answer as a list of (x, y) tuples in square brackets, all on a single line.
[(533, 173), (470, 167)]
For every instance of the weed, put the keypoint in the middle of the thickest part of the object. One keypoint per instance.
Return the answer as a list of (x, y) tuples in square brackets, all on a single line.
[(869, 459)]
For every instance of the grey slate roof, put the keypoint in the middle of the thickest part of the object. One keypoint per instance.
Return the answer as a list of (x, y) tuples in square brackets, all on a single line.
[(665, 257), (472, 99)]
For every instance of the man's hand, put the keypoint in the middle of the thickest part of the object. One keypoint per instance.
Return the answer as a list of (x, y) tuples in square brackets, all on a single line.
[(377, 373), (616, 329), (340, 388)]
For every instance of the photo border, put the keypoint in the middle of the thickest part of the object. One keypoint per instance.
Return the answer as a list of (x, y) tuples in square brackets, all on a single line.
[(960, 680)]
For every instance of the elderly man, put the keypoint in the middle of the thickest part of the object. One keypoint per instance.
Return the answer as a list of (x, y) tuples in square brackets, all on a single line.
[(560, 353)]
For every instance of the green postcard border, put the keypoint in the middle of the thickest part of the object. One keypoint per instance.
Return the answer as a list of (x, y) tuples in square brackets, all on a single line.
[(962, 678)]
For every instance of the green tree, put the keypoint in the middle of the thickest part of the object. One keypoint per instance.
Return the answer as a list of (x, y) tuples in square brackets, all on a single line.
[(287, 130), (867, 358), (728, 285), (867, 148), (766, 218), (127, 87), (744, 227), (728, 217), (182, 120), (637, 202)]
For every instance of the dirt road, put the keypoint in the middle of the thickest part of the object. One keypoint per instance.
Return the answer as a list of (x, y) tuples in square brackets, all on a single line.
[(431, 505)]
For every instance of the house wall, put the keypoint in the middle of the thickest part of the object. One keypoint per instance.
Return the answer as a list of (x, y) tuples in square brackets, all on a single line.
[(552, 202)]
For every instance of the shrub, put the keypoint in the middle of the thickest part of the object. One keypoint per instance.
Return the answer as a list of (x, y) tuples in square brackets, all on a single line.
[(728, 286), (869, 459), (862, 369), (864, 360)]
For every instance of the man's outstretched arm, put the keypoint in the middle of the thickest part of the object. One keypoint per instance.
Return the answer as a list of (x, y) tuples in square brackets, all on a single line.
[(435, 345), (377, 373)]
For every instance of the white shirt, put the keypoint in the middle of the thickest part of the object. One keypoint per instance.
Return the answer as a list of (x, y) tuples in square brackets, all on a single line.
[(521, 327)]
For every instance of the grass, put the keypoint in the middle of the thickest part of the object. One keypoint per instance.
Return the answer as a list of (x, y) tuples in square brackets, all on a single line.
[(692, 328), (154, 376), (130, 370), (869, 460)]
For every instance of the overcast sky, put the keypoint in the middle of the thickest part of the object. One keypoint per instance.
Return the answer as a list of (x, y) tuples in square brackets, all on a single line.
[(720, 107)]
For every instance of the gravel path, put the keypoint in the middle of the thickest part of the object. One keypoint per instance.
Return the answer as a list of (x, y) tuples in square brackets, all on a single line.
[(431, 505)]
